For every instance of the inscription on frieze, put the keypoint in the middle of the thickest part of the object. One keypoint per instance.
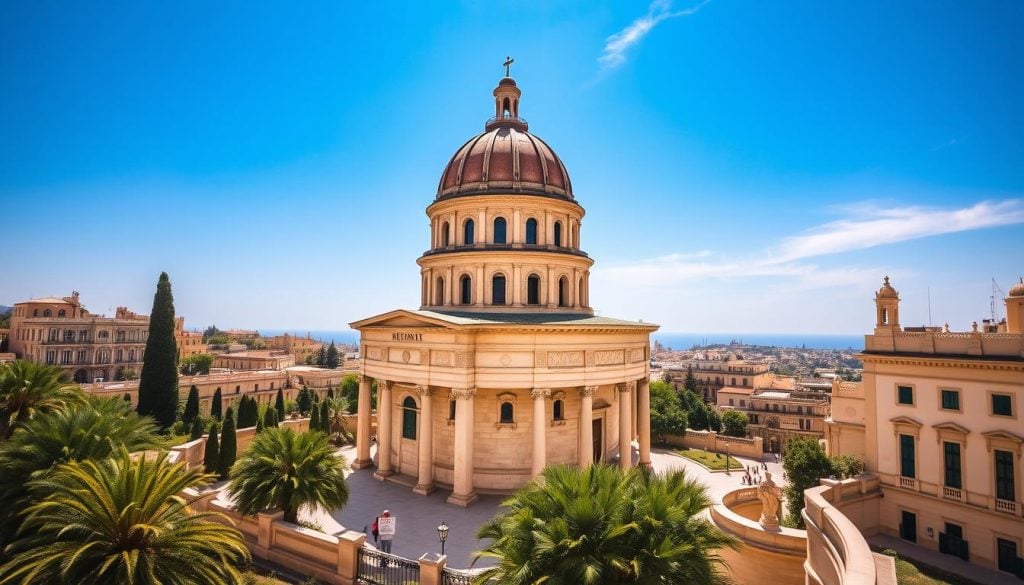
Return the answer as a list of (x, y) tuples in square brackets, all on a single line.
[(565, 359), (608, 357)]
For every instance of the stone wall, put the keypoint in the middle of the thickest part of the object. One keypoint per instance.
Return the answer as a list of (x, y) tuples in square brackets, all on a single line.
[(837, 553), (770, 557), (712, 441)]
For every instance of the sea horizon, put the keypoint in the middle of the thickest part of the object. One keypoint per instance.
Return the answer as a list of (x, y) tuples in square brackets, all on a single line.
[(669, 339)]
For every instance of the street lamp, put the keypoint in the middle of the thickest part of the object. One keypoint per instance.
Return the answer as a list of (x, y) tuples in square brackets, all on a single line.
[(442, 534), (727, 466)]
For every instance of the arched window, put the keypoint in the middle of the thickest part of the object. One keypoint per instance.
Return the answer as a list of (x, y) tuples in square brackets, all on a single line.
[(62, 313), (467, 232), (533, 290), (558, 233), (579, 293), (563, 292), (558, 410), (506, 108), (439, 291), (409, 418), (531, 231), (507, 412), (498, 289), (445, 236), (499, 230), (466, 290), (47, 313)]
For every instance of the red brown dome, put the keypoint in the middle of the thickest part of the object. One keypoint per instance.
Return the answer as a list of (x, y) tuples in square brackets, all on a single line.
[(505, 158)]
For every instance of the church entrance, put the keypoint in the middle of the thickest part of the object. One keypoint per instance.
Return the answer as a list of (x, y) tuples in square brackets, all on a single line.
[(598, 439)]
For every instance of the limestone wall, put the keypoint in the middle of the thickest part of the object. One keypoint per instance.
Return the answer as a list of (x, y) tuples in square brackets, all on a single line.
[(764, 557), (712, 441)]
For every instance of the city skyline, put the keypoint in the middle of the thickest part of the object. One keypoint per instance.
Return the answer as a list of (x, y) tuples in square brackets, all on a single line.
[(743, 168)]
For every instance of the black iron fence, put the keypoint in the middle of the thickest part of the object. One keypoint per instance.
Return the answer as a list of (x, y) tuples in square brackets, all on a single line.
[(379, 568)]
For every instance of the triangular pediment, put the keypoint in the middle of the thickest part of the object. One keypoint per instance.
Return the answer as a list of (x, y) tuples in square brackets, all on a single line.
[(400, 318), (952, 427), (905, 420), (1004, 435)]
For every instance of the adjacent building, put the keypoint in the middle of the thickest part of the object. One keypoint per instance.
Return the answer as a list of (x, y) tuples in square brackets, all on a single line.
[(714, 371), (257, 359), (504, 368), (781, 412), (938, 419)]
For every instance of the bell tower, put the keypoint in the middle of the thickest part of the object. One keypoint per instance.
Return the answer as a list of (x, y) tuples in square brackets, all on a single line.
[(1015, 308), (887, 308)]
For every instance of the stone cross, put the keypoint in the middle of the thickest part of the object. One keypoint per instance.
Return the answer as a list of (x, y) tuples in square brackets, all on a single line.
[(508, 64)]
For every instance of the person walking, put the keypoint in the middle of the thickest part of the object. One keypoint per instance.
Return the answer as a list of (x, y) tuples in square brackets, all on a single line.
[(375, 530), (386, 526)]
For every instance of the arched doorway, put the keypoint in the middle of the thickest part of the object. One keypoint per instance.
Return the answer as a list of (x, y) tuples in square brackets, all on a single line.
[(81, 376)]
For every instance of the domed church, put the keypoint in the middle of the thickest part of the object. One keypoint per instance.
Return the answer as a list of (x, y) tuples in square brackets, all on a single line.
[(504, 368)]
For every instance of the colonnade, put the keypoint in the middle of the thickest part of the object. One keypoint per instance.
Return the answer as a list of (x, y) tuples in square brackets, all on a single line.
[(634, 422)]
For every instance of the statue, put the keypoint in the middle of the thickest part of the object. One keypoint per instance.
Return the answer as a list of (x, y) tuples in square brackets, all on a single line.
[(771, 507)]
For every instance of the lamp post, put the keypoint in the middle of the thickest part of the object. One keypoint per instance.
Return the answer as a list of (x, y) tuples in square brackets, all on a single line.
[(727, 466), (442, 534)]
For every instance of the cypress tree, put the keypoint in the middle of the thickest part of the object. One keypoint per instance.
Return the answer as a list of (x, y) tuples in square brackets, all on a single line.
[(330, 392), (305, 400), (128, 398), (215, 406), (321, 357), (270, 418), (197, 429), (212, 455), (314, 420), (279, 405), (332, 359), (228, 446), (191, 405), (325, 417), (259, 424), (248, 413), (158, 388)]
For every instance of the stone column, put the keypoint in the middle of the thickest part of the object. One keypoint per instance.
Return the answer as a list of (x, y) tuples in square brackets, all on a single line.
[(586, 454), (625, 423), (462, 492), (636, 410), (364, 423), (644, 421), (539, 430), (383, 429), (425, 483)]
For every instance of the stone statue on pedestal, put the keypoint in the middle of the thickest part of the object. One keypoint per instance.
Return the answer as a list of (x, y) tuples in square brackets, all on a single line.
[(771, 506)]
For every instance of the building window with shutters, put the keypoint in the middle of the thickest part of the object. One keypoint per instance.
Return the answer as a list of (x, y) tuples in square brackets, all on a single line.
[(951, 464), (908, 466), (1005, 488)]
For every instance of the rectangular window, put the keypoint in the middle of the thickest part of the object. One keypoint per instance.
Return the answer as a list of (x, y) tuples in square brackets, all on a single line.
[(951, 458), (1002, 405), (1004, 475), (905, 394), (743, 403), (951, 400), (907, 460), (730, 402), (1007, 556)]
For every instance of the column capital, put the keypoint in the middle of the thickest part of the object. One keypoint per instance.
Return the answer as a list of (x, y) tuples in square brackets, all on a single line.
[(588, 391), (541, 392), (383, 384), (462, 393), (627, 386), (424, 390)]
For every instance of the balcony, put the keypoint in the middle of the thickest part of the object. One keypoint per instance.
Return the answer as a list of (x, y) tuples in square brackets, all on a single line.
[(909, 483), (1008, 506), (952, 493), (482, 246)]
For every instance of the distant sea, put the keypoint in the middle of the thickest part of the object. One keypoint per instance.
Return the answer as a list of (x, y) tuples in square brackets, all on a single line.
[(673, 340)]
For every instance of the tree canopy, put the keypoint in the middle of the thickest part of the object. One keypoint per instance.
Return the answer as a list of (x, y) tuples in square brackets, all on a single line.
[(158, 388), (734, 423), (667, 415), (805, 463)]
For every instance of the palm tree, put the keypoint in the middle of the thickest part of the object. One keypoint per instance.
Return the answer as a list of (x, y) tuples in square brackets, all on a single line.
[(94, 430), (122, 520), (28, 389), (287, 470), (601, 525)]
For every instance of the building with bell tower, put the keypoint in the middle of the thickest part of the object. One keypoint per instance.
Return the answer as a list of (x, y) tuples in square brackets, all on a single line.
[(504, 368)]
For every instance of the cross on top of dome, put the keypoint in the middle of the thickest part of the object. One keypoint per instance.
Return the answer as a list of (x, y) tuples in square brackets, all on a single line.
[(508, 64)]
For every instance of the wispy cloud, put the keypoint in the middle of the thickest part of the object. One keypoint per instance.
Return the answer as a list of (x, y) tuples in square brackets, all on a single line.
[(790, 258), (615, 47)]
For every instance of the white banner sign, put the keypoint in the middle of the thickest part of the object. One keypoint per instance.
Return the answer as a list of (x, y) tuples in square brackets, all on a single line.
[(386, 526)]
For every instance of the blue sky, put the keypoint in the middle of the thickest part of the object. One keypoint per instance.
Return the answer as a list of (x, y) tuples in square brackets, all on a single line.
[(745, 166)]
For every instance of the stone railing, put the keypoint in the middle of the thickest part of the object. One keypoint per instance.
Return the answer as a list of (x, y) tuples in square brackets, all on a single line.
[(712, 441), (974, 343), (837, 553)]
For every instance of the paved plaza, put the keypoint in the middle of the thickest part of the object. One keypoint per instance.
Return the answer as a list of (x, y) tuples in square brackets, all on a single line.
[(418, 516)]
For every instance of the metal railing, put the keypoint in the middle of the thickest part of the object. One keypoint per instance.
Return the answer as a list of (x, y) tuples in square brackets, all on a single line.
[(453, 577), (379, 568)]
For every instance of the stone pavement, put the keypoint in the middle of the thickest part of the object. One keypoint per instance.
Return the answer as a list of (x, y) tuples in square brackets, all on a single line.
[(418, 516), (947, 563)]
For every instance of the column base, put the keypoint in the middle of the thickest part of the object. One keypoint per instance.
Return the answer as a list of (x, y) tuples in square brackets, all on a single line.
[(362, 463), (382, 475), (646, 465), (463, 500), (424, 490)]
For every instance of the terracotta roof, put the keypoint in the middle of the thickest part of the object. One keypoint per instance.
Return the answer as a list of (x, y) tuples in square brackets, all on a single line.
[(734, 390)]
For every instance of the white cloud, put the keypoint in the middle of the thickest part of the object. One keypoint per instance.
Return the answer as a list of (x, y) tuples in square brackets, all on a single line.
[(872, 226), (617, 44)]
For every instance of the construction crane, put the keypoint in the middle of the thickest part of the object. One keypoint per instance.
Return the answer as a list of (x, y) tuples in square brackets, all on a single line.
[(997, 293)]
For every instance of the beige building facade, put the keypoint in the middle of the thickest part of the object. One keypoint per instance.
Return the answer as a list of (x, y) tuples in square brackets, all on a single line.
[(717, 371), (504, 368), (938, 419)]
